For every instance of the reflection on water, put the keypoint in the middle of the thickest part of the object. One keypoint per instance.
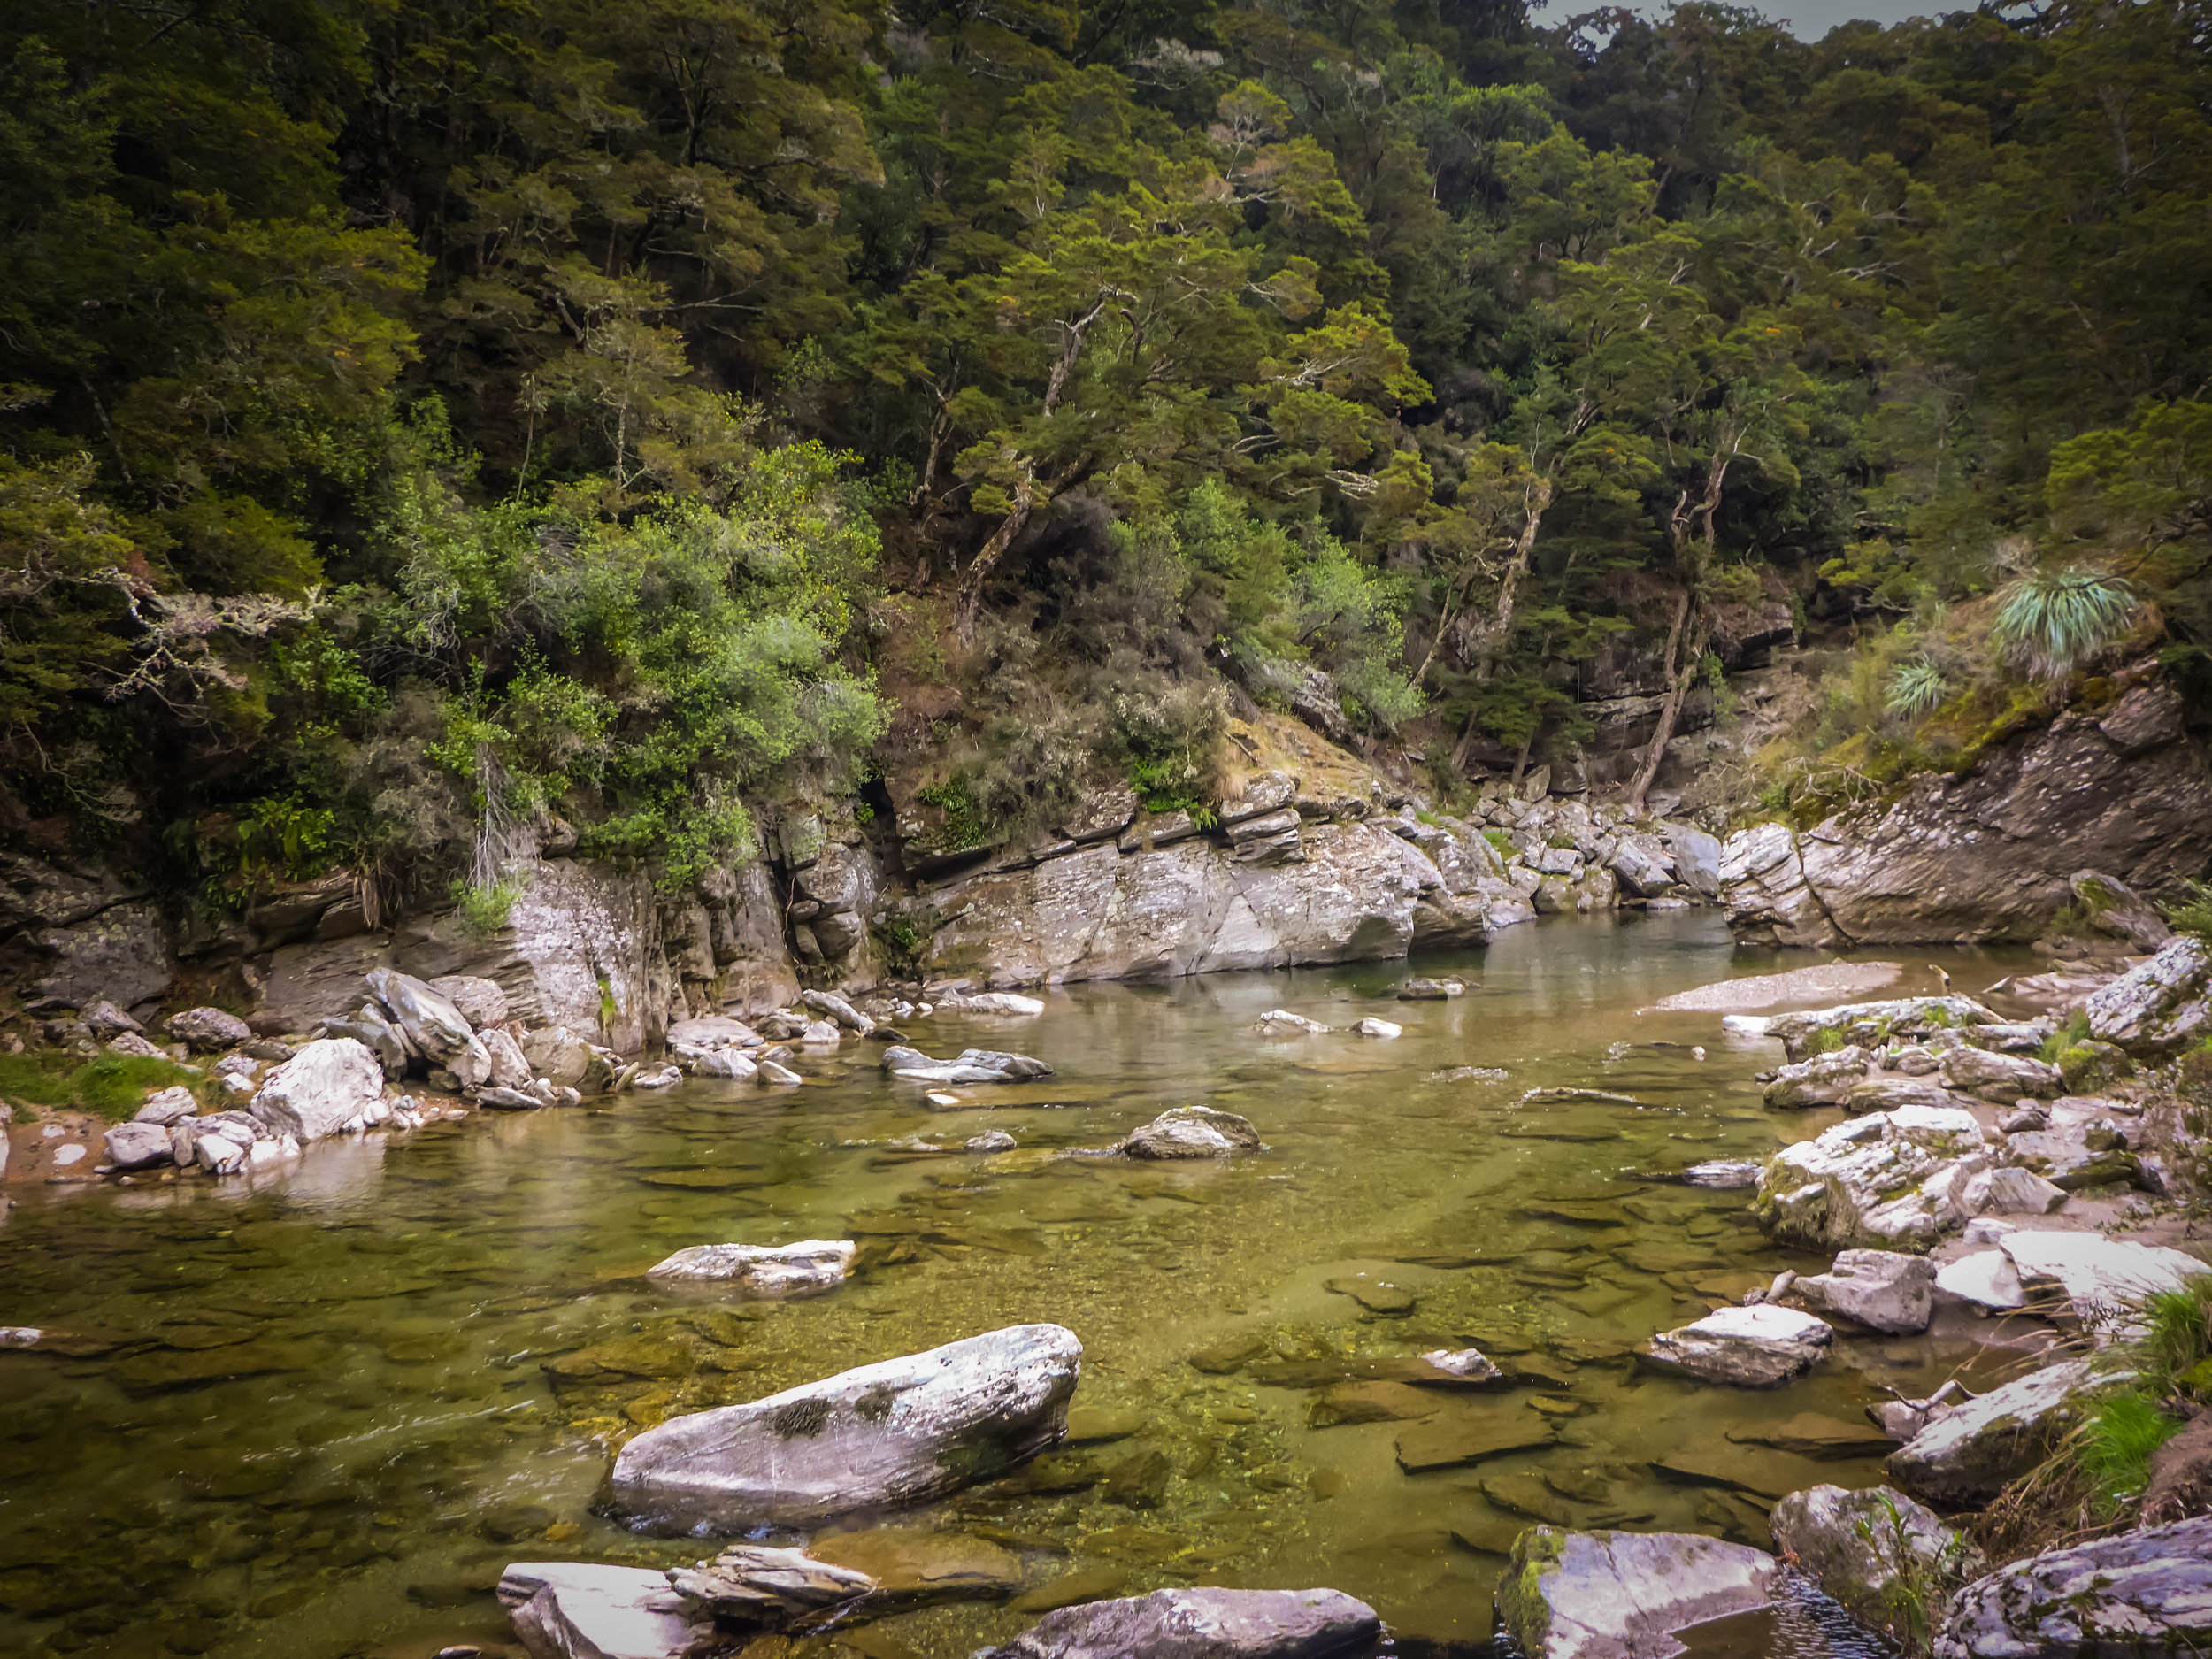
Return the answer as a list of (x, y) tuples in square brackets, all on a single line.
[(314, 1416)]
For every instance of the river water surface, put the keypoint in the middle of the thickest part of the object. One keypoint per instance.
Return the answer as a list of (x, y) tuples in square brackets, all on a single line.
[(314, 1415)]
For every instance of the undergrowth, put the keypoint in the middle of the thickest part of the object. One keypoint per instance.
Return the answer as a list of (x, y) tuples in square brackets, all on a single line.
[(114, 1086), (2093, 1481)]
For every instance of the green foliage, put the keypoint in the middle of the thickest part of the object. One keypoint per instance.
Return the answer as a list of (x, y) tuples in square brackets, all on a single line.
[(1915, 688), (2193, 913), (113, 1086), (1825, 1040), (417, 421), (2054, 620), (2074, 1033), (2122, 1434), (1922, 1578)]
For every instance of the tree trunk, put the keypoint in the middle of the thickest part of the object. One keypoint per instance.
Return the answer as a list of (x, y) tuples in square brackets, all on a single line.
[(1501, 632), (1680, 670), (967, 601)]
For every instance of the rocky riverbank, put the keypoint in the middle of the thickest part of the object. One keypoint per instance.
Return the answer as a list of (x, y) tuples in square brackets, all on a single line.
[(1315, 856)]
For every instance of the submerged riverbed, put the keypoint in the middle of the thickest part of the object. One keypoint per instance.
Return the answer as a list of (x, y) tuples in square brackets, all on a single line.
[(314, 1414)]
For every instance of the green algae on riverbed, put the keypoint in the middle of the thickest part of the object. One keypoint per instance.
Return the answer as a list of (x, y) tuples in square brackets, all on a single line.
[(314, 1414)]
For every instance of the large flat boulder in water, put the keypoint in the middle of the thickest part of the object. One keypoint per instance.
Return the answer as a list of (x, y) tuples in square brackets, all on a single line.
[(1746, 1348), (1622, 1595), (568, 1610), (1203, 1623), (898, 1431), (2147, 1594), (768, 1269)]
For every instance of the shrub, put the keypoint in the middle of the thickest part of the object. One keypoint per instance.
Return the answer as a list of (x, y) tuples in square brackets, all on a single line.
[(1916, 688), (2193, 914), (2052, 620)]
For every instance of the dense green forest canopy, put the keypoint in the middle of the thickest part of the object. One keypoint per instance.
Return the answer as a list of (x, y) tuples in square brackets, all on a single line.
[(417, 416)]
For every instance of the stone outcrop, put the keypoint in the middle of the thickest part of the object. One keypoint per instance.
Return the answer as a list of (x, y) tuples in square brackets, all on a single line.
[(1621, 1595), (1968, 1455), (898, 1431), (2162, 1005), (1203, 1623), (1990, 853), (1882, 1181), (2146, 1594)]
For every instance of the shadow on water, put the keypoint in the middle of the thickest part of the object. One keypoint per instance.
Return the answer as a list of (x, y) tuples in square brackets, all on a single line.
[(315, 1414)]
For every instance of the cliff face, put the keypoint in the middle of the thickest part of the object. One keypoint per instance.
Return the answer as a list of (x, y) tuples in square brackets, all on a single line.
[(1988, 855)]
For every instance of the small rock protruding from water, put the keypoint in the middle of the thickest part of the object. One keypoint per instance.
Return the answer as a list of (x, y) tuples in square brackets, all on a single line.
[(1466, 1365), (1761, 1347), (1723, 1173), (782, 1269), (1281, 1022), (1202, 1624), (1192, 1131), (1430, 990), (971, 1065), (1372, 1027)]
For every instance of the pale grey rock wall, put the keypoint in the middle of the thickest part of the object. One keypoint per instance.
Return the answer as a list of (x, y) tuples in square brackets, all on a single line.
[(1990, 854)]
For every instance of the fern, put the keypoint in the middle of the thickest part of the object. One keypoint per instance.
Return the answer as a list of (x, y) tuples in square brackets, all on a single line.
[(2052, 620)]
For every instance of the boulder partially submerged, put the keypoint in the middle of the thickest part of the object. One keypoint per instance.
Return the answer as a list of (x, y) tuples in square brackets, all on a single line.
[(898, 1431), (1202, 1624), (1623, 1596), (1192, 1131), (1762, 1347), (568, 1610), (1883, 1290), (332, 1086), (778, 1269), (1868, 1549), (1969, 1455), (971, 1065)]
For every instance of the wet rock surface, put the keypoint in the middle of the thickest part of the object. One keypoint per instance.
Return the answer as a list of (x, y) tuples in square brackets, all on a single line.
[(1623, 1596), (1746, 1348), (893, 1433), (1203, 1623)]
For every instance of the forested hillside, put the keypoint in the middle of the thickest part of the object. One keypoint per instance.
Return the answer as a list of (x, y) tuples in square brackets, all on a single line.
[(425, 425)]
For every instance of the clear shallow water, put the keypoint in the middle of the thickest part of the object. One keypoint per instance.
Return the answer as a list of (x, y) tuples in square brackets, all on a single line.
[(315, 1417)]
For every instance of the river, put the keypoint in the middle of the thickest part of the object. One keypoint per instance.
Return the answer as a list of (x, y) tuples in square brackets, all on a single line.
[(312, 1414)]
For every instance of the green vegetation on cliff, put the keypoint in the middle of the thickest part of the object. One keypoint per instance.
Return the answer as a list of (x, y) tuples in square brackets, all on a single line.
[(427, 431)]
